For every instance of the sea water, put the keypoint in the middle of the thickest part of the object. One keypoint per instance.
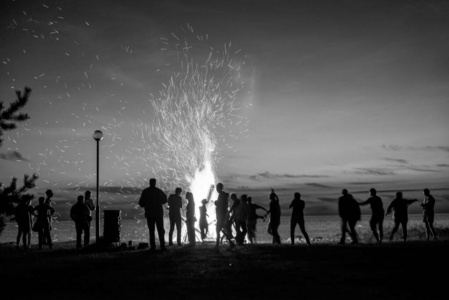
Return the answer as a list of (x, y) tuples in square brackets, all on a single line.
[(321, 229)]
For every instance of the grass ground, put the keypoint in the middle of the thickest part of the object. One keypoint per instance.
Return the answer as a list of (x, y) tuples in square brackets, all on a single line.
[(397, 270)]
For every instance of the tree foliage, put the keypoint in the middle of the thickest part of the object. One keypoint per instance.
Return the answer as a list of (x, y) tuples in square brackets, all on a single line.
[(10, 116), (12, 195)]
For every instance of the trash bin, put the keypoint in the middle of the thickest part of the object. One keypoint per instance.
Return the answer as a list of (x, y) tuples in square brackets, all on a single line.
[(111, 233)]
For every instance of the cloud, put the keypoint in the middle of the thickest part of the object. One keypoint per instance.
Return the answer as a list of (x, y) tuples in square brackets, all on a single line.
[(318, 185), (380, 172), (442, 165), (268, 175), (409, 148), (402, 161), (12, 155), (421, 169)]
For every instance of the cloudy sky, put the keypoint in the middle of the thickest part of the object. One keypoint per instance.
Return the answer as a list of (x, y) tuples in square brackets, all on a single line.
[(336, 93)]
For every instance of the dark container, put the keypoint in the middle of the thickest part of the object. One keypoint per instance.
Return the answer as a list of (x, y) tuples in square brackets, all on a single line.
[(111, 233)]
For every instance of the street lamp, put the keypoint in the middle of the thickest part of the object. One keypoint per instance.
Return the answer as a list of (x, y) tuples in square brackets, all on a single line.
[(98, 135)]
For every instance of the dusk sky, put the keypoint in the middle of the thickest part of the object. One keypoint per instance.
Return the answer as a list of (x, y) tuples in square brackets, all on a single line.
[(336, 93)]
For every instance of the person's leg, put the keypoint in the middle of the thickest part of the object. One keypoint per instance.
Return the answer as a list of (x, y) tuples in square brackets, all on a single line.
[(161, 231), (178, 232), (381, 229), (151, 227), (373, 226), (41, 237), (427, 229), (170, 232), (47, 234), (343, 230), (432, 229), (395, 228), (86, 235), (352, 231), (79, 231), (19, 234), (293, 223), (244, 231), (404, 230), (218, 227), (304, 232)]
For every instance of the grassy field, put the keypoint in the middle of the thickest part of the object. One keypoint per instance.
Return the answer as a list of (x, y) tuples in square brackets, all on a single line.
[(412, 270)]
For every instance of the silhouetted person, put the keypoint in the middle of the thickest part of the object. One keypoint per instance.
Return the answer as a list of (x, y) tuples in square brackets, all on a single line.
[(235, 203), (377, 216), (221, 209), (43, 213), (152, 199), (49, 194), (80, 213), (174, 213), (297, 218), (190, 218), (204, 226), (251, 224), (428, 205), (23, 213), (90, 204), (275, 217), (400, 206), (349, 212), (241, 217)]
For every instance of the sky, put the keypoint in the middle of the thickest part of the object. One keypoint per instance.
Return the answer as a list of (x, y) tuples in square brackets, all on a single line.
[(335, 94)]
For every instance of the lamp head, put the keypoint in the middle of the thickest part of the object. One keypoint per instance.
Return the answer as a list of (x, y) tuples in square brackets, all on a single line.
[(98, 135)]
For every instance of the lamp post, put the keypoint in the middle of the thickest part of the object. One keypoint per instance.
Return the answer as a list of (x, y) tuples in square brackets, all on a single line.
[(98, 135)]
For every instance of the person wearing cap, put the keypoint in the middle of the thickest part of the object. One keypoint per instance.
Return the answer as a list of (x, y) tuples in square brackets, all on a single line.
[(377, 216), (428, 205), (400, 206)]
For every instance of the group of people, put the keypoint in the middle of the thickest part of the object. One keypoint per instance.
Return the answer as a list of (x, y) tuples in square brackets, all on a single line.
[(349, 211), (39, 219), (240, 217)]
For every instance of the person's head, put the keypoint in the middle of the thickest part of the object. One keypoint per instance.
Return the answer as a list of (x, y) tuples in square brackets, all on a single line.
[(41, 200), (344, 192), (219, 187), (204, 201), (234, 196), (178, 191), (49, 193), (244, 198), (297, 196), (250, 200), (426, 192), (272, 195), (80, 199), (372, 192), (399, 195), (87, 194), (153, 182), (189, 196)]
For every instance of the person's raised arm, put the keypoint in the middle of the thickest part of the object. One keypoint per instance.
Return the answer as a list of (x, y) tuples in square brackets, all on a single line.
[(390, 207), (364, 202)]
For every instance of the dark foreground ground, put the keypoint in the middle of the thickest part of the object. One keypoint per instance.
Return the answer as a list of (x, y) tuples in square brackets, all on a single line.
[(415, 270)]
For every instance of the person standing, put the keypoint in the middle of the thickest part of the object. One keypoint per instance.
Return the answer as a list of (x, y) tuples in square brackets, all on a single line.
[(80, 213), (241, 217), (174, 213), (90, 204), (221, 209), (297, 218), (428, 205), (190, 219), (377, 216), (275, 217), (49, 194), (251, 224), (204, 226), (400, 206), (349, 212), (43, 213), (23, 213), (152, 199)]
